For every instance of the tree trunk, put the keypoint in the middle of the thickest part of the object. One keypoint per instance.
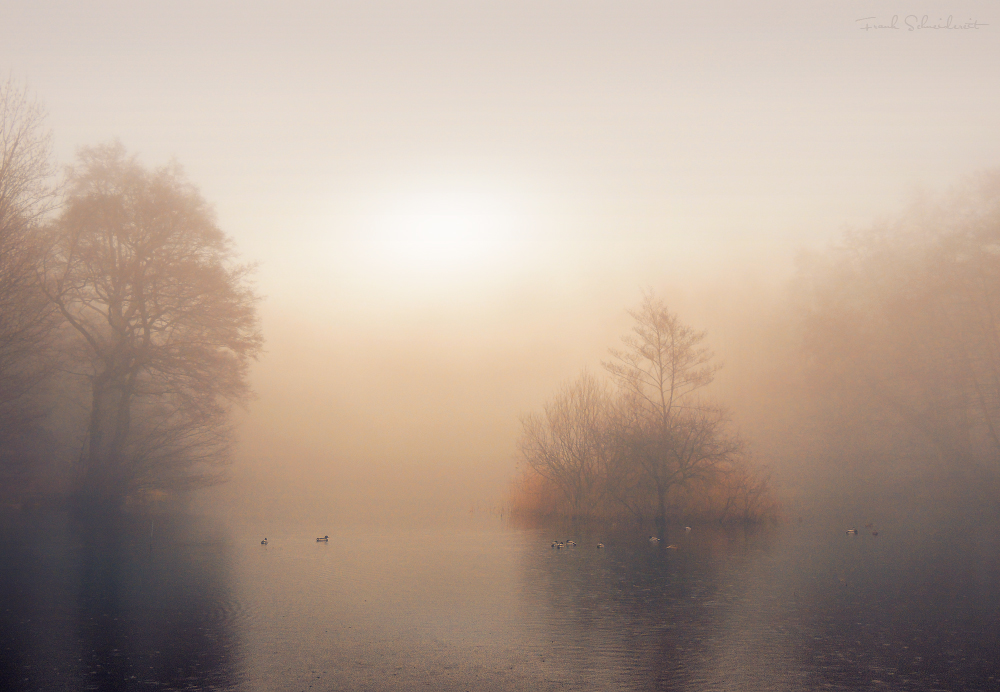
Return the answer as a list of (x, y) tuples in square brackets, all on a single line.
[(104, 485), (661, 512)]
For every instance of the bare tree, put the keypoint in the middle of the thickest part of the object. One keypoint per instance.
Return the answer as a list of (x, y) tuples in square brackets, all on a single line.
[(139, 269), (745, 493), (626, 483), (649, 446), (671, 436), (26, 192), (569, 444), (25, 315)]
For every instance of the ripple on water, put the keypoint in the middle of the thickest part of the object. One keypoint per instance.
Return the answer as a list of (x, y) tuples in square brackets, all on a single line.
[(497, 608)]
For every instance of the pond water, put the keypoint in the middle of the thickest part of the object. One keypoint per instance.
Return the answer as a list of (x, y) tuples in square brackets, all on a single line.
[(185, 603)]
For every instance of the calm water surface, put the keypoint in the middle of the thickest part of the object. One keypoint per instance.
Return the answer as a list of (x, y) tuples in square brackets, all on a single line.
[(182, 603)]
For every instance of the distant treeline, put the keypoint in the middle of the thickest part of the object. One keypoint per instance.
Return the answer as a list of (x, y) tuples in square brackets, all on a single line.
[(897, 331), (126, 327)]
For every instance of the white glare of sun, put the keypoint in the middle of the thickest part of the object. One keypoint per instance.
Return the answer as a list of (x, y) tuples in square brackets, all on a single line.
[(443, 232)]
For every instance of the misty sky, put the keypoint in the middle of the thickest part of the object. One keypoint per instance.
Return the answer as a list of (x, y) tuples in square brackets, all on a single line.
[(453, 202)]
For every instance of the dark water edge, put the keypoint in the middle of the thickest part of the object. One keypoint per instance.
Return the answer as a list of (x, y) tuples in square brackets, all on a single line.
[(179, 602), (113, 603)]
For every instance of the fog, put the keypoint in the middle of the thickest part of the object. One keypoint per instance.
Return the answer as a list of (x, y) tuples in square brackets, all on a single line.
[(306, 311), (451, 206), (415, 412)]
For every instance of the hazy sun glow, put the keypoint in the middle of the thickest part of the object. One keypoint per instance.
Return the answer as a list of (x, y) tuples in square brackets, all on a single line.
[(435, 241), (432, 232)]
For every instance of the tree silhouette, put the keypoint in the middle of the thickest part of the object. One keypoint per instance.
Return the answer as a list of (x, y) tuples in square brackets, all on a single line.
[(138, 268), (569, 444), (25, 315), (668, 434)]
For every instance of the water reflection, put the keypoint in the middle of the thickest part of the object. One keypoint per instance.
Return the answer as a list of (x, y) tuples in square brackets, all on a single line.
[(636, 615), (106, 604), (913, 609), (103, 606), (797, 607)]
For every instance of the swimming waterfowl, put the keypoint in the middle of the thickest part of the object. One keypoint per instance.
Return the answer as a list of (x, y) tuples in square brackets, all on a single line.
[(687, 528), (654, 539), (600, 545), (852, 532), (573, 543), (324, 539), (264, 542)]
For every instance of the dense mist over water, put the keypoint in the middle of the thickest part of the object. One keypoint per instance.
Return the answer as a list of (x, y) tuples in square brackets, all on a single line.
[(418, 415), (450, 208), (499, 345)]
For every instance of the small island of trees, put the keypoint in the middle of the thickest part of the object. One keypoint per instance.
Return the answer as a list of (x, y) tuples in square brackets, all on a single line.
[(644, 443)]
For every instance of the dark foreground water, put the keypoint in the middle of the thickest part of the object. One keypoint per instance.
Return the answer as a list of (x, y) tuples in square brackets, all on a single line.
[(190, 604)]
